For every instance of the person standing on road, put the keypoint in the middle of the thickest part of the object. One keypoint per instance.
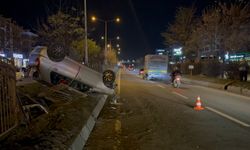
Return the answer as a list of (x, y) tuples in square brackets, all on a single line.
[(243, 70)]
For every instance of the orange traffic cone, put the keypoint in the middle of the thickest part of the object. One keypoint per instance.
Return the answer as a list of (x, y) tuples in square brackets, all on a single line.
[(198, 104)]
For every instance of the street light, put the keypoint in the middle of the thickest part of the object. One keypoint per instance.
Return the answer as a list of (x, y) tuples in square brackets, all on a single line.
[(118, 20), (94, 19)]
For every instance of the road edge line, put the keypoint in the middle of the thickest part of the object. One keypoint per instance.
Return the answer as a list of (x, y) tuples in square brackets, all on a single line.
[(222, 91), (151, 81), (185, 97), (228, 117), (160, 86)]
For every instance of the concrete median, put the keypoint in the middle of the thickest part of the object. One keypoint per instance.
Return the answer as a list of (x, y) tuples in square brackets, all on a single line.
[(81, 139)]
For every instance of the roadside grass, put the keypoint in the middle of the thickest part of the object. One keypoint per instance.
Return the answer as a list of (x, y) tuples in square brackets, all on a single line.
[(55, 130)]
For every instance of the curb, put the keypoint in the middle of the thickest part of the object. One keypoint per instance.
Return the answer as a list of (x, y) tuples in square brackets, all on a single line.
[(83, 136), (239, 90)]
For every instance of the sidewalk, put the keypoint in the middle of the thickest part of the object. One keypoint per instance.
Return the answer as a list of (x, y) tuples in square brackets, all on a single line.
[(234, 86)]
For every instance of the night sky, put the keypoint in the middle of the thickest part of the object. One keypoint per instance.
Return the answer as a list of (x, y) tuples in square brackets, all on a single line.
[(140, 28)]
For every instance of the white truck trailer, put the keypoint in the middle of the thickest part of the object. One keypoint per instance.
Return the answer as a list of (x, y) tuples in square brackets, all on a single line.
[(156, 67)]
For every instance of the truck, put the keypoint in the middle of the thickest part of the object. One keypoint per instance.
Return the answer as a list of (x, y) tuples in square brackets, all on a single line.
[(156, 67)]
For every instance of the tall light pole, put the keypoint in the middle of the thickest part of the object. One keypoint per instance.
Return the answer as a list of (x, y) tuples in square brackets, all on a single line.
[(86, 33), (106, 41), (105, 34)]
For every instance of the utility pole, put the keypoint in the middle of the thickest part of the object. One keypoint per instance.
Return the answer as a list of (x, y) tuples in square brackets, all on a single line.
[(106, 42), (105, 36), (86, 33)]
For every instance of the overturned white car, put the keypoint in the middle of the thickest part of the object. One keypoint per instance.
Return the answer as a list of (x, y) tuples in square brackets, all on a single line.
[(68, 71)]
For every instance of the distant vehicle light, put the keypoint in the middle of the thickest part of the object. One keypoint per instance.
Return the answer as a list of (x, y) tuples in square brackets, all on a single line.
[(3, 55)]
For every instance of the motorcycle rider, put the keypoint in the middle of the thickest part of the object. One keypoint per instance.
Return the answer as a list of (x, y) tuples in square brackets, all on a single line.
[(175, 72)]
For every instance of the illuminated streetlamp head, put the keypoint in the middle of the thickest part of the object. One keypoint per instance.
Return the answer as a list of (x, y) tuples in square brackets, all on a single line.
[(118, 38), (93, 18), (108, 45), (117, 19)]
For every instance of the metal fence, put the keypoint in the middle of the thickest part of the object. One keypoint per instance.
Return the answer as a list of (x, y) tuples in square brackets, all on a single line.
[(8, 103)]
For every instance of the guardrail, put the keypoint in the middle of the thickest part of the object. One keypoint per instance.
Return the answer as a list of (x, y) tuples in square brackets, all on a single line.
[(8, 103)]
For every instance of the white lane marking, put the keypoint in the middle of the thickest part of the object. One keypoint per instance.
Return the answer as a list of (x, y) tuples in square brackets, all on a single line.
[(221, 91), (160, 86), (228, 117), (180, 95), (151, 81)]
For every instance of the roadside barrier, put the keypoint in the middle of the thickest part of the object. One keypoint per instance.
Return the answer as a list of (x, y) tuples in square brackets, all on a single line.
[(8, 103)]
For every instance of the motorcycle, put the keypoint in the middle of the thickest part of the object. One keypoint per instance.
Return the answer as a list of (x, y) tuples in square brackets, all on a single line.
[(177, 81)]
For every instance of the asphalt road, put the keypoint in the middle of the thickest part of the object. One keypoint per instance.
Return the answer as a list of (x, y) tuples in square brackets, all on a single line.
[(155, 116)]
